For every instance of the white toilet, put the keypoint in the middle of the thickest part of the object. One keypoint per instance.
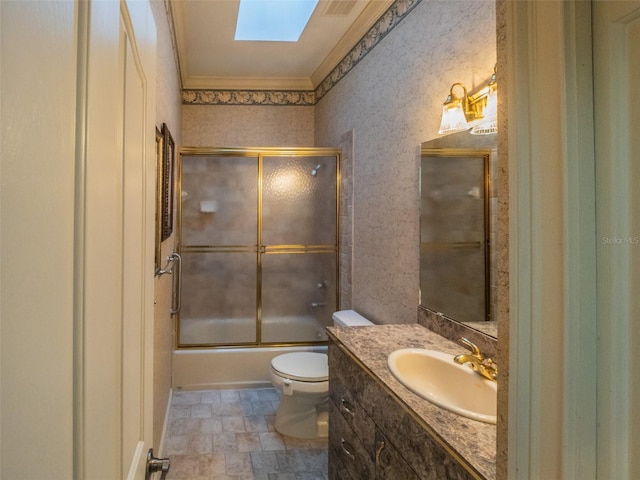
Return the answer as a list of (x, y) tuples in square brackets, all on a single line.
[(303, 378)]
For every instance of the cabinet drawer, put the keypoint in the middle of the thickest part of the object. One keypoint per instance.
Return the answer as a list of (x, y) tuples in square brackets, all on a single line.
[(345, 373), (346, 448), (352, 413), (390, 465), (337, 470), (420, 450)]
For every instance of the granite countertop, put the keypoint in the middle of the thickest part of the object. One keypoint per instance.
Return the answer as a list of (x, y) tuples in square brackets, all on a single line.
[(474, 441)]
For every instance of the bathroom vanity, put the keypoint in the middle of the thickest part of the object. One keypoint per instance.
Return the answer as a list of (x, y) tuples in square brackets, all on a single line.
[(378, 429)]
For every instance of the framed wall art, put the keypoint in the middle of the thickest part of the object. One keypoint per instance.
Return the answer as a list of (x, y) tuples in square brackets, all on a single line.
[(159, 197), (168, 154)]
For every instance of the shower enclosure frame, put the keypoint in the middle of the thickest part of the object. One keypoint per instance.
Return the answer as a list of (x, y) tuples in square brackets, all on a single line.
[(484, 156), (259, 153)]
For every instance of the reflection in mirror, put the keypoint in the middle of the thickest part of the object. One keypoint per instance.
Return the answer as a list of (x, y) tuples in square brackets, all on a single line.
[(454, 234), (457, 213)]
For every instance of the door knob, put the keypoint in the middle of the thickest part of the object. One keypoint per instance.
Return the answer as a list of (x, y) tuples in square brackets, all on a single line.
[(156, 465)]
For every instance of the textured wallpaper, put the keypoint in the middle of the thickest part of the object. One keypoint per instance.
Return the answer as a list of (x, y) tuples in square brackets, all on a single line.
[(168, 110), (247, 126), (392, 101)]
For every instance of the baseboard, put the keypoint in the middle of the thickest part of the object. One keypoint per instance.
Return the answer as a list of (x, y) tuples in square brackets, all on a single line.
[(224, 386)]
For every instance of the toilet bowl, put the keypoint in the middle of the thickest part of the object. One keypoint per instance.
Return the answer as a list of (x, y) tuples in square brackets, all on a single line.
[(303, 378)]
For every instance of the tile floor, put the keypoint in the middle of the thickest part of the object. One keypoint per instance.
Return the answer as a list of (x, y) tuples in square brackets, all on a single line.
[(229, 434)]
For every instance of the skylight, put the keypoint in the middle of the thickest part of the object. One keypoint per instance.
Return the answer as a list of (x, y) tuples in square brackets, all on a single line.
[(273, 20)]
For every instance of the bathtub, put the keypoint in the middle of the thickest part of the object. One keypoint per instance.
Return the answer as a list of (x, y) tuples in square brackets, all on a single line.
[(216, 368), (195, 331)]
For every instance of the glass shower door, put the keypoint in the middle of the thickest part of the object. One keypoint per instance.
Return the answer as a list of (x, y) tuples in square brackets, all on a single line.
[(219, 250), (299, 248), (259, 245)]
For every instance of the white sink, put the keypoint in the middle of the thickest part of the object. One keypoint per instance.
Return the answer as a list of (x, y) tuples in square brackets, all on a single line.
[(436, 377)]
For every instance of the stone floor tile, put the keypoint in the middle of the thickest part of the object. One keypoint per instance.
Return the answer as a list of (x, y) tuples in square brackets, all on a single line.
[(296, 443), (249, 395), (282, 476), (229, 408), (180, 411), (311, 476), (264, 462), (256, 423), (291, 461), (272, 441), (182, 426), (186, 398), (238, 463), (201, 410), (200, 444), (269, 394), (212, 464), (247, 407), (314, 460), (225, 443), (229, 396), (183, 466), (209, 425), (211, 397), (264, 407), (230, 435), (248, 442), (176, 445)]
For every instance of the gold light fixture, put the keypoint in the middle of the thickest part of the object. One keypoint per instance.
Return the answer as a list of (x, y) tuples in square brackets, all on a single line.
[(478, 111), (454, 117)]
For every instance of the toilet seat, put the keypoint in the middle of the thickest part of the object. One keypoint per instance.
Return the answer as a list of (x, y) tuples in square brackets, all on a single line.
[(302, 366)]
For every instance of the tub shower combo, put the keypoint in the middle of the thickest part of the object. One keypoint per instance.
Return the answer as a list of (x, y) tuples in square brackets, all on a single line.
[(258, 237)]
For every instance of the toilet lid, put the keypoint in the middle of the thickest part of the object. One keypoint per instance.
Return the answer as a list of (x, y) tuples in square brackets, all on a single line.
[(304, 366)]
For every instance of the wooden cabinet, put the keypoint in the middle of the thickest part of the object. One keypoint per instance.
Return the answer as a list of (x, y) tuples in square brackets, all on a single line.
[(374, 436)]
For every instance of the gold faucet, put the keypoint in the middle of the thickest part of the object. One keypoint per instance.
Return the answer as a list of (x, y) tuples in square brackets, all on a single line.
[(478, 363)]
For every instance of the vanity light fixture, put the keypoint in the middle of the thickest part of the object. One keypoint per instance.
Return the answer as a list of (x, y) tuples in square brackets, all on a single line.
[(453, 112), (489, 123), (478, 111)]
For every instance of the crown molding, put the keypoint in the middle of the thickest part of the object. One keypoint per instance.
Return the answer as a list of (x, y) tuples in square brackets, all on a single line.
[(248, 83), (387, 22), (361, 26)]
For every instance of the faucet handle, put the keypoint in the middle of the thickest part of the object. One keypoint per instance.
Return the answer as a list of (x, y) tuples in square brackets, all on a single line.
[(473, 347), (478, 363)]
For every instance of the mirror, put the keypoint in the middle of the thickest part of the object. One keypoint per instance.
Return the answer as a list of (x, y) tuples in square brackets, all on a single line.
[(457, 221)]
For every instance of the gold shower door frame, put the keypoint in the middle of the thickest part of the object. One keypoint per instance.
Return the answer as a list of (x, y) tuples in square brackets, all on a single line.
[(259, 248)]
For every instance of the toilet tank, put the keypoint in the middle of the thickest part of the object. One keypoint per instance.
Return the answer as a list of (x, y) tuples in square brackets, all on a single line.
[(349, 318)]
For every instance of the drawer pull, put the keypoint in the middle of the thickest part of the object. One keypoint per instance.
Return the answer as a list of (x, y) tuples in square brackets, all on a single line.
[(379, 450), (346, 448), (345, 406)]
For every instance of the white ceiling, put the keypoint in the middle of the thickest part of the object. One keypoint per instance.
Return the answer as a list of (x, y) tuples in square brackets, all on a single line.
[(211, 59)]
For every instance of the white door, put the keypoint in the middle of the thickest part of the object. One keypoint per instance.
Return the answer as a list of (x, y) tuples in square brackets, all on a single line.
[(118, 218), (617, 122)]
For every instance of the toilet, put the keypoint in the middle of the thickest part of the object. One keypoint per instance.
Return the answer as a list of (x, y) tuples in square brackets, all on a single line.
[(303, 378)]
